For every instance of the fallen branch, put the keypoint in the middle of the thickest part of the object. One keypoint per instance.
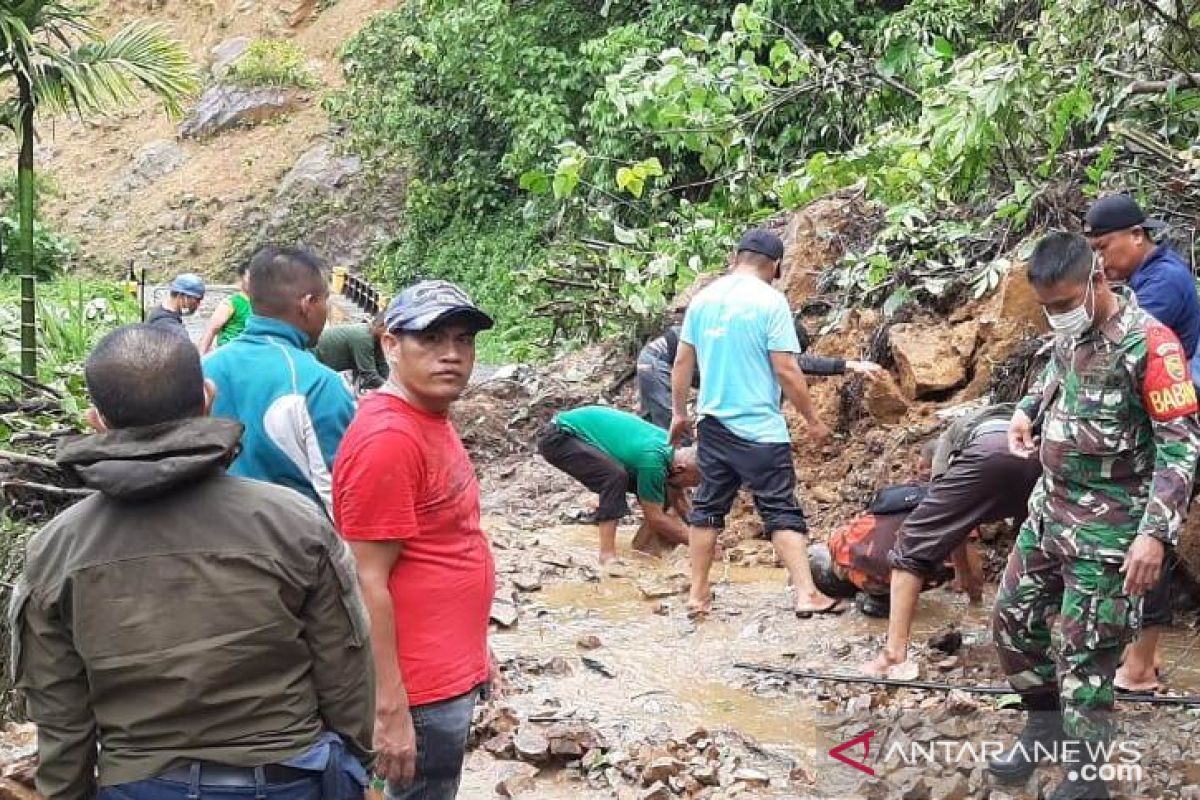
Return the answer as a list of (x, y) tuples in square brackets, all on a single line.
[(46, 489), (832, 677), (32, 384), (1158, 87), (22, 458)]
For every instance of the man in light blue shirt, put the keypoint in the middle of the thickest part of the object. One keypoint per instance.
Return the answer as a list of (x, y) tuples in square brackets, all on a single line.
[(740, 331)]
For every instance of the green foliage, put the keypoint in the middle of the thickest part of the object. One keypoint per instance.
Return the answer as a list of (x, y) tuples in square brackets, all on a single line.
[(72, 315), (638, 140), (273, 62), (51, 250)]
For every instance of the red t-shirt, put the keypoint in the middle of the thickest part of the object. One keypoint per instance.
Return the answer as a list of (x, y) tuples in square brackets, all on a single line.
[(404, 474)]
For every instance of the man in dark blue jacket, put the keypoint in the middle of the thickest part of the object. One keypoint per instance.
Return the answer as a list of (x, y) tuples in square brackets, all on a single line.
[(1164, 286)]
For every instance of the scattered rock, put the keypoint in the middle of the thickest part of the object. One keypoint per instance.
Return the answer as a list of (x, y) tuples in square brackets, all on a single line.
[(948, 641), (504, 612), (224, 107), (532, 745), (706, 774), (932, 358), (959, 703), (919, 789), (527, 584), (573, 739), (946, 664), (226, 54), (884, 400), (664, 587), (589, 642), (955, 728), (153, 161), (518, 780), (908, 671), (658, 791), (500, 746), (752, 777), (661, 770)]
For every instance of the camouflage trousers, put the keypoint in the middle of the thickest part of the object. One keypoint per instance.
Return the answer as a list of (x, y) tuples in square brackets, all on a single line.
[(1096, 621)]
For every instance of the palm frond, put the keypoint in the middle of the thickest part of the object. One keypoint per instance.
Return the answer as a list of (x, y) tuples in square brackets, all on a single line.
[(100, 75)]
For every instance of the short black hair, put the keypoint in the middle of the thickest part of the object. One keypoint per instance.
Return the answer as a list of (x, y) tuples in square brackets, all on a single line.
[(143, 375), (279, 276), (1060, 257)]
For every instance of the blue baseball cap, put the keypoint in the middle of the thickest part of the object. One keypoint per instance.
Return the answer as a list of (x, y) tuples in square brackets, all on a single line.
[(188, 283), (427, 303)]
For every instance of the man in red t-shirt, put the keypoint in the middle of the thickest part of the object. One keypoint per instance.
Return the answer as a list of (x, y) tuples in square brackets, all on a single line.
[(407, 500)]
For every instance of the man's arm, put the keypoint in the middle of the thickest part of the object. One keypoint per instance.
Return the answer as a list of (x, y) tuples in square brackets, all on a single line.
[(664, 524), (681, 379), (795, 389), (394, 736), (220, 316), (51, 674), (336, 629)]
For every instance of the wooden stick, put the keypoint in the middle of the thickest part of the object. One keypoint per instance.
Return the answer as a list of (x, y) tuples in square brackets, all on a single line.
[(47, 489), (22, 458), (800, 674)]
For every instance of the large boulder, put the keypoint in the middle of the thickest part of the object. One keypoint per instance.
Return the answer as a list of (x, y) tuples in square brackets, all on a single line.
[(932, 359), (817, 236), (223, 107)]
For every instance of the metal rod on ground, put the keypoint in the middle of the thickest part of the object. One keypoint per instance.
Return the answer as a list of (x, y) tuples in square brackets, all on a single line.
[(832, 677), (28, 328)]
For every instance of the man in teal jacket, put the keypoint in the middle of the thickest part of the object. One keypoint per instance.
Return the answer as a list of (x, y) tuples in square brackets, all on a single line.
[(295, 409)]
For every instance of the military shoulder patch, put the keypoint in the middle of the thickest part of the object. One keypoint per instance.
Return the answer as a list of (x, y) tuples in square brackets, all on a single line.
[(1167, 391)]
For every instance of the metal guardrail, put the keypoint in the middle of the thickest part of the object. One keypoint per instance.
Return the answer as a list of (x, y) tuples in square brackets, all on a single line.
[(362, 294)]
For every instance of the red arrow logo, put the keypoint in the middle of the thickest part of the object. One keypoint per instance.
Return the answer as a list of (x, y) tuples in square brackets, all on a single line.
[(865, 740)]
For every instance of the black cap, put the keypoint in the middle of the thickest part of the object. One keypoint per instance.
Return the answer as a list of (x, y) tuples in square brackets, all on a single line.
[(426, 303), (762, 242), (1117, 212)]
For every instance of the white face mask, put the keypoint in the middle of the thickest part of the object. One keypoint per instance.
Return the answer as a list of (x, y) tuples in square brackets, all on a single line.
[(1076, 322)]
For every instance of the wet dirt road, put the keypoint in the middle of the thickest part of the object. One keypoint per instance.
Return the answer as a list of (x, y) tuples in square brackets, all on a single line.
[(670, 675)]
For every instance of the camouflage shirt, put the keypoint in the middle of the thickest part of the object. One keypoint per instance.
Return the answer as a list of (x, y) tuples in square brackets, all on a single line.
[(1119, 438)]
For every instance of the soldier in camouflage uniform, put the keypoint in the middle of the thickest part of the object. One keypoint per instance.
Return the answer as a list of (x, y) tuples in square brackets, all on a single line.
[(1115, 413)]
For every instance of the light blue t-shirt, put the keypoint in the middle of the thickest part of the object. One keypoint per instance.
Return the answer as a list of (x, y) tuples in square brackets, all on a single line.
[(735, 324)]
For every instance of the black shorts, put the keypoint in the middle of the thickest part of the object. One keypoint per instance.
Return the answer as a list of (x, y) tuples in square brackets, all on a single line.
[(595, 469), (1157, 604), (727, 462)]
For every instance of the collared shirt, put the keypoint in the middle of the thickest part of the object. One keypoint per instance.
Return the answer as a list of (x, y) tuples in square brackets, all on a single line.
[(1119, 438), (1166, 290)]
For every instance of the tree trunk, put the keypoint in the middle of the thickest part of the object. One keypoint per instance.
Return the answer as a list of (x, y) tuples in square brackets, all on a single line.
[(24, 249)]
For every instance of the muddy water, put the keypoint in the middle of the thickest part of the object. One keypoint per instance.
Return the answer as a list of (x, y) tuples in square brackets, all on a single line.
[(673, 675)]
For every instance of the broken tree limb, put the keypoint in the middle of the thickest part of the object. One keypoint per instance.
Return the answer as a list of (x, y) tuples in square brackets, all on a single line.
[(46, 489), (22, 458), (833, 677), (1158, 87)]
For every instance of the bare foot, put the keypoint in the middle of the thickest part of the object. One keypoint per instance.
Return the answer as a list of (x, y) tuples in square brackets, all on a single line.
[(878, 667), (1128, 680)]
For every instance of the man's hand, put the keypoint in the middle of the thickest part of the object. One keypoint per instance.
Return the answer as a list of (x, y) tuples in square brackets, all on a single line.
[(1021, 441), (396, 745), (1143, 563), (819, 432), (679, 427), (868, 368)]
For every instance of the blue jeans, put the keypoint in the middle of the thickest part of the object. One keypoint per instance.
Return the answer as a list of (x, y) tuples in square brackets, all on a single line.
[(442, 729), (159, 789)]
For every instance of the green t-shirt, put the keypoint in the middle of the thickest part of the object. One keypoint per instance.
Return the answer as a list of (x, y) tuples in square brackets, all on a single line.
[(352, 347), (237, 322), (635, 444)]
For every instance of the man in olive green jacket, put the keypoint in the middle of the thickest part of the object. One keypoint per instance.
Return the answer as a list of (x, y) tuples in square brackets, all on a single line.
[(204, 631)]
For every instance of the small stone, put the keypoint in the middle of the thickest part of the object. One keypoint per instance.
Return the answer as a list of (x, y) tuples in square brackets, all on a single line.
[(917, 790), (908, 671), (802, 776), (527, 584), (752, 777), (500, 745), (557, 667), (954, 728), (859, 705), (658, 791), (946, 664), (661, 770), (959, 703), (663, 609), (949, 641), (706, 774), (956, 787), (531, 744), (666, 587), (698, 735), (518, 780), (504, 612), (588, 642)]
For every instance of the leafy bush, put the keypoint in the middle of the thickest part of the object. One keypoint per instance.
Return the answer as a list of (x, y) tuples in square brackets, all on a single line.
[(273, 62)]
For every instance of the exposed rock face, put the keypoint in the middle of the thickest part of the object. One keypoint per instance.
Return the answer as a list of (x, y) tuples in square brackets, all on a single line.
[(329, 204), (223, 107), (1018, 303), (884, 401), (153, 161), (932, 359)]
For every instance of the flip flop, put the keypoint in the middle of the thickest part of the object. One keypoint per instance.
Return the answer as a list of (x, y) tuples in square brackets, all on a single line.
[(833, 609), (1138, 692)]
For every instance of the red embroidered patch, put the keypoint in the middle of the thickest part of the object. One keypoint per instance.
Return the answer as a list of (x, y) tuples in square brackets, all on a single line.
[(1167, 392)]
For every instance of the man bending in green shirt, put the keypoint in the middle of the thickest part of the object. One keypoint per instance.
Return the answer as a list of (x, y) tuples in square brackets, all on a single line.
[(613, 452), (355, 348)]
